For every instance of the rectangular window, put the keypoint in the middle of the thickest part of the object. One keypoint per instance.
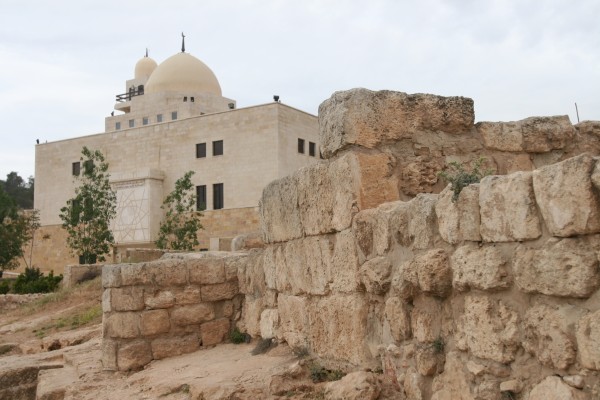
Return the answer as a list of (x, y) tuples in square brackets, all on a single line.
[(311, 149), (173, 115), (301, 146), (145, 121), (131, 123), (192, 99), (217, 196), (200, 150), (218, 148), (184, 98), (117, 126), (76, 168), (159, 118), (201, 197)]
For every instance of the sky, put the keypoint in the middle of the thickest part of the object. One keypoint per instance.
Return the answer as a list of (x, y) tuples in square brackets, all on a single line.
[(63, 62)]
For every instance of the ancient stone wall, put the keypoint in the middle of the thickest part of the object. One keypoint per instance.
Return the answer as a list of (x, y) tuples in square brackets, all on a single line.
[(168, 307), (493, 296)]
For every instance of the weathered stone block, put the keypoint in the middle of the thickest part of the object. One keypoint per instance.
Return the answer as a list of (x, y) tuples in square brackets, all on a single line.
[(532, 135), (251, 312), (154, 322), (279, 211), (368, 119), (427, 360), (160, 299), (483, 268), (111, 276), (564, 267), (168, 272), (547, 336), (127, 298), (375, 275), (490, 329), (413, 223), (553, 388), (106, 307), (135, 274), (220, 291), (426, 320), (508, 209), (269, 323), (192, 314), (273, 255), (294, 320), (123, 325), (133, 355), (459, 221), (397, 314), (214, 332), (430, 273), (588, 340), (358, 385), (173, 346), (252, 275), (343, 274), (189, 295), (206, 271), (109, 354), (567, 197), (234, 262)]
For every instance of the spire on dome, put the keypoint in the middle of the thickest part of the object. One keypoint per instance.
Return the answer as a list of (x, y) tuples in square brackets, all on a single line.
[(146, 52), (182, 42)]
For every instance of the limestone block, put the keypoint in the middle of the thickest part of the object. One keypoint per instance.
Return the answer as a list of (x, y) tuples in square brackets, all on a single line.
[(154, 322), (338, 328), (374, 229), (343, 274), (160, 299), (483, 268), (422, 228), (414, 385), (272, 256), (426, 320), (106, 307), (192, 314), (490, 329), (251, 275), (219, 291), (279, 213), (233, 264), (162, 272), (588, 340), (359, 385), (427, 360), (532, 135), (109, 354), (164, 347), (459, 221), (553, 388), (513, 385), (508, 209), (269, 323), (375, 275), (567, 197), (575, 381), (368, 119), (206, 271), (294, 321), (454, 382), (431, 273), (214, 332), (133, 355), (123, 325), (377, 182), (397, 314), (563, 267), (127, 298), (547, 336), (252, 309), (111, 276), (189, 295), (247, 241), (363, 226)]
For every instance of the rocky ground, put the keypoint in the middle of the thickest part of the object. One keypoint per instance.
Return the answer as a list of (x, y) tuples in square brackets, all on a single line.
[(51, 349)]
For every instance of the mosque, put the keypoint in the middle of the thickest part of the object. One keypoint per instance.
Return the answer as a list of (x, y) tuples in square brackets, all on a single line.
[(172, 118)]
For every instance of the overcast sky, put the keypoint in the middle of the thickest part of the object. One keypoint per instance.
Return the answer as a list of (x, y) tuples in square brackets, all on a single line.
[(63, 62)]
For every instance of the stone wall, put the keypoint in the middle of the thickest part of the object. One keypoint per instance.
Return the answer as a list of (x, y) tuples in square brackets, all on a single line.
[(367, 264), (168, 307), (75, 274)]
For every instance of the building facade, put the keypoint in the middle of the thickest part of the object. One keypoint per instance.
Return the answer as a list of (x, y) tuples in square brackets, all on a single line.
[(173, 118)]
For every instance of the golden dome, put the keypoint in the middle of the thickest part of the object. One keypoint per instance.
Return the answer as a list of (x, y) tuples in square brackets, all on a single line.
[(144, 68), (183, 73)]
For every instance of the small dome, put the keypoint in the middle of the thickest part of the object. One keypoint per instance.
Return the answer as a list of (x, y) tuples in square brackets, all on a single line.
[(183, 73), (144, 68)]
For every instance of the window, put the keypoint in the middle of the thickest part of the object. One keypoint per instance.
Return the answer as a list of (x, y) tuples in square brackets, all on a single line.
[(159, 118), (217, 196), (311, 149), (201, 197), (117, 126), (141, 89), (184, 98), (131, 123), (173, 115), (145, 121), (301, 146), (200, 150), (76, 168), (218, 148), (192, 99)]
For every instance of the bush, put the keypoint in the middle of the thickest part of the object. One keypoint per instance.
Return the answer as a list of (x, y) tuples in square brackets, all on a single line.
[(238, 337), (319, 373), (34, 281), (459, 177), (4, 287)]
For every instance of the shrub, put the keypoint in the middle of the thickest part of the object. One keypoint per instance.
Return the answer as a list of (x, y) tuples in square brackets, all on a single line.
[(238, 337), (34, 281), (4, 287), (319, 373), (459, 177)]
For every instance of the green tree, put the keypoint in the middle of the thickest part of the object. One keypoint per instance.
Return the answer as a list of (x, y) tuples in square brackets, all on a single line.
[(19, 190), (87, 216), (11, 234), (179, 229)]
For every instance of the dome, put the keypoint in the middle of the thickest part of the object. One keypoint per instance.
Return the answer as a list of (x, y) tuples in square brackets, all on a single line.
[(144, 68), (183, 73)]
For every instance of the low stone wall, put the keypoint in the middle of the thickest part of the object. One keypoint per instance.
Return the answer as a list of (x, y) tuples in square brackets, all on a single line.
[(75, 274), (13, 301), (168, 307)]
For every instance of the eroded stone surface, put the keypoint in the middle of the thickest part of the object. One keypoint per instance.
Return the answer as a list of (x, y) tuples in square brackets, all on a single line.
[(588, 340), (476, 267), (375, 275), (134, 355), (459, 221), (397, 314), (553, 388), (359, 385)]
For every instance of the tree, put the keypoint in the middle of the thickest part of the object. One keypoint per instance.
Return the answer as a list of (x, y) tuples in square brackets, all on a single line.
[(19, 190), (11, 236), (87, 216), (179, 229)]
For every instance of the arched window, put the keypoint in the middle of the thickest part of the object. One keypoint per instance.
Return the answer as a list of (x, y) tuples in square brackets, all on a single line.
[(140, 89)]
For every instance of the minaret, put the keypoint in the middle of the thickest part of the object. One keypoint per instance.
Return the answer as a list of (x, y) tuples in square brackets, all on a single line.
[(182, 42)]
